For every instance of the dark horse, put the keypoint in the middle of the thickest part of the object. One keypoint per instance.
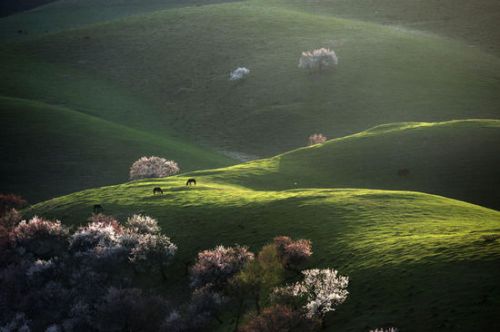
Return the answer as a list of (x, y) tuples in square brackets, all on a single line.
[(191, 182), (157, 190), (98, 208)]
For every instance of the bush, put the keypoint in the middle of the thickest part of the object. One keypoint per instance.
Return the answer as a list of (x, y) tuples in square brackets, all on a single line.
[(143, 224), (239, 73), (279, 318), (11, 201), (40, 238), (218, 265), (319, 293), (318, 59), (389, 329), (317, 139), (293, 253), (153, 167), (152, 252)]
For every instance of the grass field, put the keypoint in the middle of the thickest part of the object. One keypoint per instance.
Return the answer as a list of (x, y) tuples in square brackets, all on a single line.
[(456, 159), (165, 72), (78, 151), (90, 86), (416, 261)]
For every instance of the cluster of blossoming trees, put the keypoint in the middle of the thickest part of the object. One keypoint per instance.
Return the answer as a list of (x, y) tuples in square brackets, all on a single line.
[(96, 278)]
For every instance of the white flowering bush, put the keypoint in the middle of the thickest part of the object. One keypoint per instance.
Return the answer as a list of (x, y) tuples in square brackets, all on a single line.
[(389, 329), (239, 73), (143, 224), (152, 251), (318, 59), (101, 234), (320, 291), (153, 167)]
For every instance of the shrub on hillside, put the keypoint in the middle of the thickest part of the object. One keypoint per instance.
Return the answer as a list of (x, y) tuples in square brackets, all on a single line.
[(143, 224), (216, 266), (11, 201), (153, 167), (318, 59), (293, 253), (152, 252), (319, 293), (239, 73), (40, 238), (389, 329), (316, 139)]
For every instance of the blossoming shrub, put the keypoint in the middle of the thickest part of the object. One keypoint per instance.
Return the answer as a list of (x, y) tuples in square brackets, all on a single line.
[(316, 139), (216, 266), (293, 253), (319, 293), (153, 167), (40, 238), (318, 59)]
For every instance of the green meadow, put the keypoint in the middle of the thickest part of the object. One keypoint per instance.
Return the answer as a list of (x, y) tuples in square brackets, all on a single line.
[(403, 197)]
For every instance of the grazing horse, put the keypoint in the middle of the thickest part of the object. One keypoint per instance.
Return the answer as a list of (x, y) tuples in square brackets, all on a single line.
[(403, 172), (98, 208), (157, 190), (191, 182)]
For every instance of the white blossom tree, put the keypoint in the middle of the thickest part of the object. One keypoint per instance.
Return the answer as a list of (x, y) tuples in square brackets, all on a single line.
[(153, 167), (321, 291), (318, 59), (239, 73)]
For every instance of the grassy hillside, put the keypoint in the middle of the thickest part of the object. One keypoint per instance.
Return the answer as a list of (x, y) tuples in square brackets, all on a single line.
[(457, 159), (77, 150), (416, 261), (475, 22), (178, 61)]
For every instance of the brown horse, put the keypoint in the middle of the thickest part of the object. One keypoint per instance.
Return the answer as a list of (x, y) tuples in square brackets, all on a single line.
[(191, 182), (157, 190)]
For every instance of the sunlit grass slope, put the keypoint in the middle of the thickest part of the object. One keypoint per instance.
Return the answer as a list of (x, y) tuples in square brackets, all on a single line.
[(52, 150), (416, 261), (178, 61), (457, 159)]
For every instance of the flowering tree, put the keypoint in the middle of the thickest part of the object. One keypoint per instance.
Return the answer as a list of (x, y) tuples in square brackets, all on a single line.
[(320, 291), (153, 167), (216, 266), (239, 73), (389, 329), (40, 238), (152, 252), (11, 201), (101, 235), (293, 253), (318, 59), (317, 139), (143, 224)]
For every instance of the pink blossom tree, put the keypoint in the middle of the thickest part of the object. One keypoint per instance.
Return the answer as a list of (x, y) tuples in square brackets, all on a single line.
[(317, 139)]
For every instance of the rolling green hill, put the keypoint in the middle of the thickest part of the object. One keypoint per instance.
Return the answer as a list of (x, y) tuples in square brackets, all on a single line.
[(77, 151), (166, 73), (178, 62), (457, 159), (416, 261)]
